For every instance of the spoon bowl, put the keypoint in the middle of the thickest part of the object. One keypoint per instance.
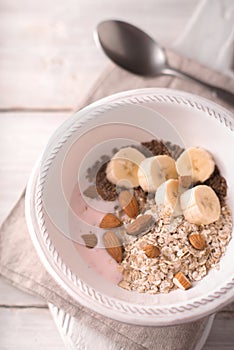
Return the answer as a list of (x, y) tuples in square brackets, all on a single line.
[(131, 48)]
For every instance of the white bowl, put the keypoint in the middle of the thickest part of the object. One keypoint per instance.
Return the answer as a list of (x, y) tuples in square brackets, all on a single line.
[(125, 118)]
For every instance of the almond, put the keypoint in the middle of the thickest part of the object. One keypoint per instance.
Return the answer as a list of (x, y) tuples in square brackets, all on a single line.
[(90, 240), (197, 241), (151, 251), (91, 192), (110, 221), (129, 203), (141, 225), (124, 284), (113, 246), (181, 281)]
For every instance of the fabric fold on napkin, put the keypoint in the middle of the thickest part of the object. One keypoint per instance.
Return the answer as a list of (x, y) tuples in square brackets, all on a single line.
[(115, 79), (21, 266)]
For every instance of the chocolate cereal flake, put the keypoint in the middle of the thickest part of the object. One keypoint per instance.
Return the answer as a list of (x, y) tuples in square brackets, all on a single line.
[(156, 147), (219, 184), (104, 187)]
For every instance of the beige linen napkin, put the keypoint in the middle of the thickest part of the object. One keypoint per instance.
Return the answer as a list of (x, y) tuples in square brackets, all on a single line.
[(20, 264)]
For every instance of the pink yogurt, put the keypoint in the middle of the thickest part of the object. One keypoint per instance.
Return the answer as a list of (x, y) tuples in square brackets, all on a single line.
[(97, 258)]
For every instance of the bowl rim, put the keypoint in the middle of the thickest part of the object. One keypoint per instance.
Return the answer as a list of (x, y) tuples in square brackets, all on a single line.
[(86, 295)]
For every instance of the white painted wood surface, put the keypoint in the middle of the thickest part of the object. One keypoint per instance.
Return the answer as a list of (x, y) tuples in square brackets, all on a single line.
[(48, 57), (23, 136), (48, 61), (27, 329)]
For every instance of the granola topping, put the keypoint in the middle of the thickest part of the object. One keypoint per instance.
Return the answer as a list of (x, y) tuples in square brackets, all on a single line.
[(150, 275)]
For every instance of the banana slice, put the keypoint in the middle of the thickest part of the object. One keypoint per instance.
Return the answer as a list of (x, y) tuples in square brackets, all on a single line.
[(168, 195), (122, 169), (168, 166), (197, 163), (154, 171), (200, 205)]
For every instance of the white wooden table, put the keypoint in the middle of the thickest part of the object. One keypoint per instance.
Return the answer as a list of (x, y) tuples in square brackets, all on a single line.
[(48, 61)]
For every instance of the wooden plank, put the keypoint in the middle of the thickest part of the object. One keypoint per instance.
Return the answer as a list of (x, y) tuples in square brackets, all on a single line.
[(27, 329), (13, 297), (23, 136), (221, 336), (48, 57)]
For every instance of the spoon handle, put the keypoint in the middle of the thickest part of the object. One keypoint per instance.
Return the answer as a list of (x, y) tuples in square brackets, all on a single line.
[(219, 92)]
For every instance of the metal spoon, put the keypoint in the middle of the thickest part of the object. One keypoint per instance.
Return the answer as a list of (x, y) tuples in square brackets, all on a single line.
[(135, 51)]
